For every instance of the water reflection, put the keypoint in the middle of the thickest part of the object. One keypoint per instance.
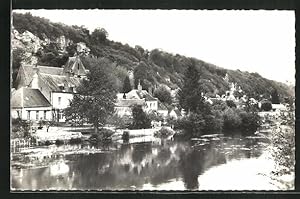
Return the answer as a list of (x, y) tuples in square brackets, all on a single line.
[(147, 165)]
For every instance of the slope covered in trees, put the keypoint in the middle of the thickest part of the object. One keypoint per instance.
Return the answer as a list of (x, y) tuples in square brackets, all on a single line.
[(152, 68)]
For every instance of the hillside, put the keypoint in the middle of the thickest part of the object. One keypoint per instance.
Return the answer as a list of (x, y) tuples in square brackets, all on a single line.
[(38, 41)]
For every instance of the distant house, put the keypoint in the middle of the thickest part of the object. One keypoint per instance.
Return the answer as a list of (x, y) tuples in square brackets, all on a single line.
[(30, 104), (56, 84), (279, 107), (175, 113), (123, 106), (135, 97), (162, 109)]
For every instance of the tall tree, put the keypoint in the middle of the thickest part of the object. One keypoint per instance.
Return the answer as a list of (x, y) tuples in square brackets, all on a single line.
[(126, 85), (190, 95), (275, 97), (96, 95), (99, 36), (140, 118), (163, 95)]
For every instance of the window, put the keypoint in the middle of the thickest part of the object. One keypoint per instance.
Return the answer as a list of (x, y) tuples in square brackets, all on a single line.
[(78, 66), (45, 115), (37, 115), (18, 112), (28, 115), (59, 100), (60, 115), (61, 87)]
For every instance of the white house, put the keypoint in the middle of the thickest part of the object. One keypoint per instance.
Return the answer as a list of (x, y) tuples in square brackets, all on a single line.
[(56, 84), (30, 104)]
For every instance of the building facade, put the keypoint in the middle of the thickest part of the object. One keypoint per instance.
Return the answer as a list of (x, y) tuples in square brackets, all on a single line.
[(56, 84)]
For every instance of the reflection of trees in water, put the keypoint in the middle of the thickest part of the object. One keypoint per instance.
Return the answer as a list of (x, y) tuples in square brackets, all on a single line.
[(140, 151), (190, 164)]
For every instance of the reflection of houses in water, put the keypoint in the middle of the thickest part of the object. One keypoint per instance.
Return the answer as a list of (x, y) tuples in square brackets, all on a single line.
[(59, 168)]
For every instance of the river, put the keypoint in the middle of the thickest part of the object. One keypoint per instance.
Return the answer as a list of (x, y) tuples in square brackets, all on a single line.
[(208, 163)]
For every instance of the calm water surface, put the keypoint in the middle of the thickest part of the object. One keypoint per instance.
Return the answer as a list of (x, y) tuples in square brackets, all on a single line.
[(159, 164)]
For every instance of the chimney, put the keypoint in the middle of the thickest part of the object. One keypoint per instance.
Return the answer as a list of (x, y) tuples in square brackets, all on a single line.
[(140, 88), (151, 90), (35, 78)]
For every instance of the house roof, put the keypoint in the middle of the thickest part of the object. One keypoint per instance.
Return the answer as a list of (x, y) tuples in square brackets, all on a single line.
[(161, 106), (129, 102), (140, 95), (75, 65), (53, 81), (28, 98)]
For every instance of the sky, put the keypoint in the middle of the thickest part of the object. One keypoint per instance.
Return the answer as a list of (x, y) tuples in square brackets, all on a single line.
[(255, 41)]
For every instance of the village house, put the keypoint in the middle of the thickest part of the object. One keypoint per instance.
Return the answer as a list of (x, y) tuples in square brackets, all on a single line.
[(30, 104), (138, 97), (56, 84)]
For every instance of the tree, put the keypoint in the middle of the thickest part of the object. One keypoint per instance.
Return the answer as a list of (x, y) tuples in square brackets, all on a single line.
[(266, 106), (99, 36), (140, 118), (18, 56), (163, 95), (96, 95), (190, 95), (275, 97), (230, 104), (126, 85)]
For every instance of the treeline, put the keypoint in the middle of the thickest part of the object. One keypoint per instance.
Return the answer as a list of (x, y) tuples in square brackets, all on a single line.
[(154, 67)]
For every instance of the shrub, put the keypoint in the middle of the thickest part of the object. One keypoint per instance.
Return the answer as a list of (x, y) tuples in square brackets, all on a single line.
[(75, 141), (140, 118), (20, 128), (102, 136), (192, 125), (230, 104), (231, 119), (250, 121), (163, 133), (47, 143), (125, 136), (59, 142), (266, 106)]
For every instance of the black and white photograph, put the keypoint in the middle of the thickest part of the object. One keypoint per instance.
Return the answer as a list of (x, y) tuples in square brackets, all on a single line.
[(152, 100)]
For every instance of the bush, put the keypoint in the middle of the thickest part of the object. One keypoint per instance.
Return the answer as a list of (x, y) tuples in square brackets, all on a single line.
[(20, 128), (59, 142), (231, 119), (192, 125), (140, 119), (125, 136), (103, 135), (266, 106), (75, 141), (250, 121), (47, 143), (163, 133), (230, 104)]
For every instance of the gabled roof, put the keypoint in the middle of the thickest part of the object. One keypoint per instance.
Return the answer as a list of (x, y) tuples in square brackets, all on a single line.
[(74, 65), (53, 81), (161, 106), (129, 102), (28, 98), (140, 95)]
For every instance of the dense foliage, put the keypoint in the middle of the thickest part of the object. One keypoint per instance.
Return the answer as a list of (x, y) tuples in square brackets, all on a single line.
[(140, 118), (266, 106), (20, 128), (163, 94), (126, 85), (150, 68), (96, 95)]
